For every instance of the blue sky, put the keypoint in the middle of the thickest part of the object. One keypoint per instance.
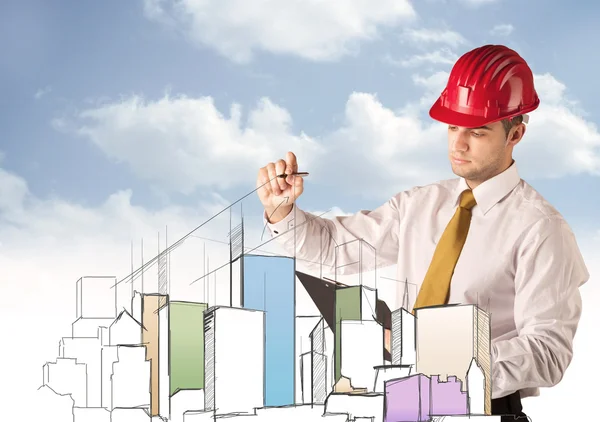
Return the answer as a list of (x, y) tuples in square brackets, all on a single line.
[(77, 54), (118, 118)]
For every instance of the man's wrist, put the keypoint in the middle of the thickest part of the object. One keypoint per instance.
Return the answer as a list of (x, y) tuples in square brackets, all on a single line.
[(274, 216)]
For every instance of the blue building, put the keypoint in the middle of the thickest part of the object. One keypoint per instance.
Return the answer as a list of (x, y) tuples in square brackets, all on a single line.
[(268, 285)]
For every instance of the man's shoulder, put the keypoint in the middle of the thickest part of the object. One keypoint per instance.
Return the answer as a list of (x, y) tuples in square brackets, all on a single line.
[(534, 203), (536, 214), (546, 222)]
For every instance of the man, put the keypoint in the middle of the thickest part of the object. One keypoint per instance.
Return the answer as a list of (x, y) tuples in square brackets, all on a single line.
[(485, 237)]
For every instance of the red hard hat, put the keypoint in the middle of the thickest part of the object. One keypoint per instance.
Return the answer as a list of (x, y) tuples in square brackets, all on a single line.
[(487, 84)]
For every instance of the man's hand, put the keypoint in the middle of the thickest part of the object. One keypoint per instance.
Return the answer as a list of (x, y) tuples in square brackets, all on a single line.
[(277, 194)]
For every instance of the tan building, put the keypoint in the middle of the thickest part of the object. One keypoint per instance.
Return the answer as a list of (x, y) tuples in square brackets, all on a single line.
[(449, 338)]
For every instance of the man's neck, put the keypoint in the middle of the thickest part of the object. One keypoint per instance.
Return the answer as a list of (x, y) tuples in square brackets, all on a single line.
[(474, 183)]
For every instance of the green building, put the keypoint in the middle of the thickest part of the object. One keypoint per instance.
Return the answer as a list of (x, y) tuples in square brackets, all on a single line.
[(186, 346)]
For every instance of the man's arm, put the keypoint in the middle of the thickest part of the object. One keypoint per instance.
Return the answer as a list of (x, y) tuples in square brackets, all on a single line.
[(547, 309), (316, 238)]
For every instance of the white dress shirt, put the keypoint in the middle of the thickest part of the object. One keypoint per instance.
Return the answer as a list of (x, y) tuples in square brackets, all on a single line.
[(520, 260)]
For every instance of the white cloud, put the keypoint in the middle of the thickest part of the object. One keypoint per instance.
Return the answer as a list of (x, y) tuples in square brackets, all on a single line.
[(42, 92), (387, 149), (319, 31), (502, 30), (424, 36), (422, 39), (442, 56), (12, 192), (560, 141), (432, 83), (184, 143), (478, 2)]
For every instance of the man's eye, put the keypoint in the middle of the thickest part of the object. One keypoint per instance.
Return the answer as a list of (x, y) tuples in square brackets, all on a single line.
[(477, 134), (452, 127)]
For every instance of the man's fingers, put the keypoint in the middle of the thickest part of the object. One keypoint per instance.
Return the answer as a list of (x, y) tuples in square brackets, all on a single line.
[(280, 169), (275, 186), (273, 179), (262, 181), (291, 162), (298, 181), (291, 167)]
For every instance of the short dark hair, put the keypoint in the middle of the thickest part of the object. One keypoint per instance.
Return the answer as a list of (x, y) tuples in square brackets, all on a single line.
[(510, 123)]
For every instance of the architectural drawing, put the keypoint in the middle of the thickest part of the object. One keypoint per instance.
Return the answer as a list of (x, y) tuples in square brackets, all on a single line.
[(186, 346), (96, 297), (130, 378), (67, 376), (322, 356), (404, 340), (464, 332), (151, 305), (408, 399), (183, 359), (160, 359), (368, 405), (362, 346), (304, 327), (86, 351), (164, 360), (269, 287), (234, 360), (357, 259), (390, 372)]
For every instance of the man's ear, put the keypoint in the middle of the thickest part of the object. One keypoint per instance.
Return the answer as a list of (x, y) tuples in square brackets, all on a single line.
[(515, 134)]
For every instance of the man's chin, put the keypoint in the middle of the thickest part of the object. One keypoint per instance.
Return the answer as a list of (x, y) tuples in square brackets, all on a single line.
[(460, 171)]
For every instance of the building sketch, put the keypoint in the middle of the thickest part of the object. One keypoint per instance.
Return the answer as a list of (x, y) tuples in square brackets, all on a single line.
[(269, 287), (465, 336), (186, 346), (234, 360), (403, 336), (150, 338), (166, 359), (304, 326), (321, 360)]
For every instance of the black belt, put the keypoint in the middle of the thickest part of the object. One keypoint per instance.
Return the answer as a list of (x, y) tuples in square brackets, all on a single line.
[(509, 407)]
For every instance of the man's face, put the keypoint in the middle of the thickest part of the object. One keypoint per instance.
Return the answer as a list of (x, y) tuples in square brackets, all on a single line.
[(478, 154)]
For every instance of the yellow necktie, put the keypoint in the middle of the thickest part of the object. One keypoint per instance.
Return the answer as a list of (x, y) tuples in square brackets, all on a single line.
[(436, 285)]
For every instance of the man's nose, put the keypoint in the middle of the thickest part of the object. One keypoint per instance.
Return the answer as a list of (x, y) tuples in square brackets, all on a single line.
[(460, 141)]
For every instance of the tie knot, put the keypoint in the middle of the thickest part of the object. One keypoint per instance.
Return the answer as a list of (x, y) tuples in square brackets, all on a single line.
[(467, 199)]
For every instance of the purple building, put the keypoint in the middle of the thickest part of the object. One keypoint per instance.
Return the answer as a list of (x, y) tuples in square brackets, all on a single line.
[(407, 399), (447, 398), (416, 398)]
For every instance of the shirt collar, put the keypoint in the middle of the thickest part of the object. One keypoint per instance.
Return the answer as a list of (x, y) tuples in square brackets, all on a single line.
[(490, 192)]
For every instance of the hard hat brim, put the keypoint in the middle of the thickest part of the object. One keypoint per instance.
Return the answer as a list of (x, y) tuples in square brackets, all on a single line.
[(454, 118)]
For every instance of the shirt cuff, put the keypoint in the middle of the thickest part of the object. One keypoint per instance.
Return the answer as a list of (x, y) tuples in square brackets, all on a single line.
[(287, 223)]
